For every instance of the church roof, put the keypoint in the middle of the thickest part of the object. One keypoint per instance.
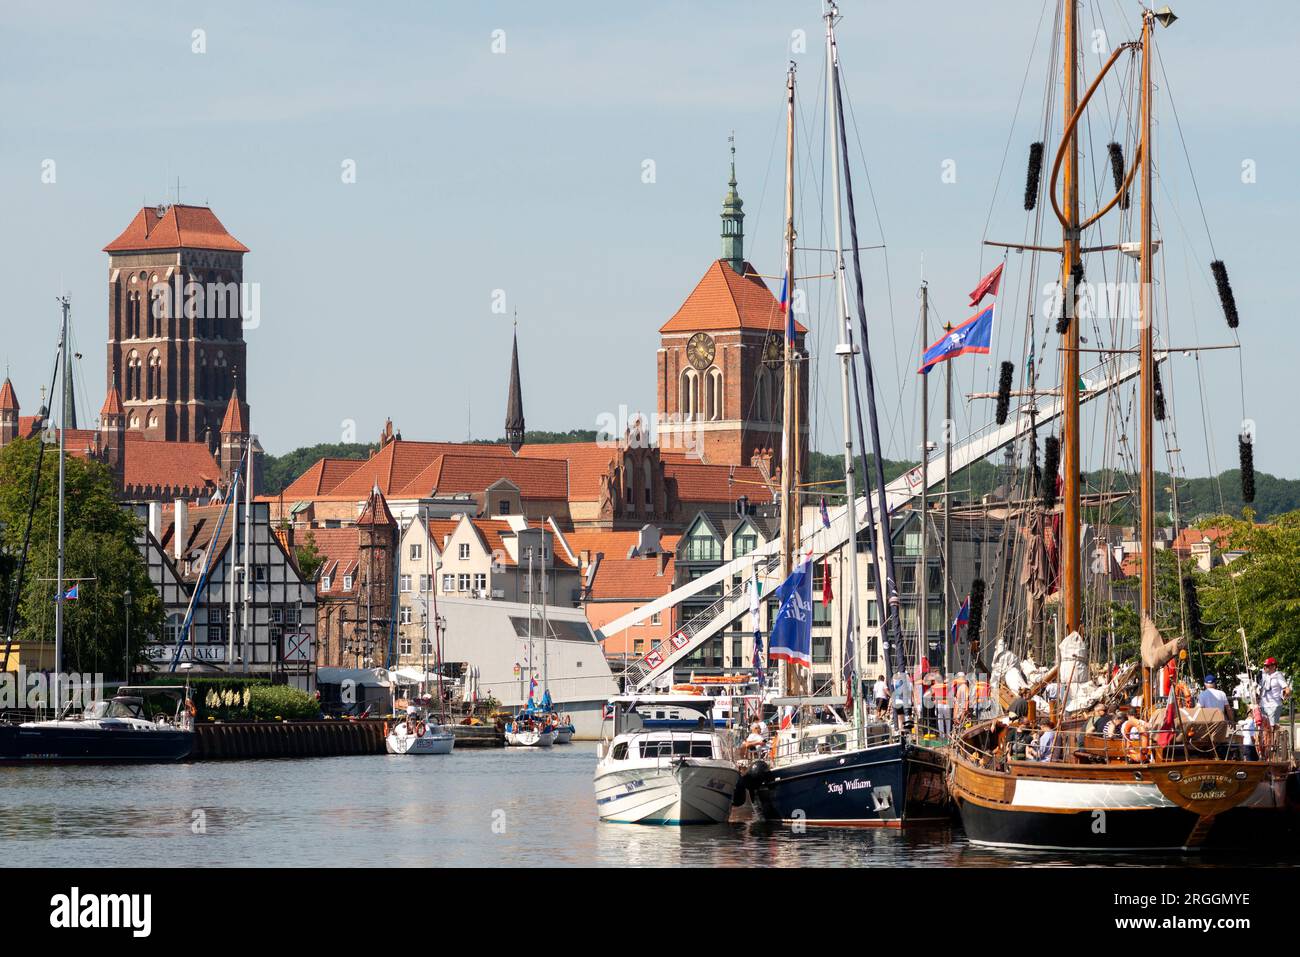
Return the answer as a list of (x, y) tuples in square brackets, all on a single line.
[(235, 422), (112, 404), (173, 467), (8, 398), (376, 510), (179, 227), (724, 300)]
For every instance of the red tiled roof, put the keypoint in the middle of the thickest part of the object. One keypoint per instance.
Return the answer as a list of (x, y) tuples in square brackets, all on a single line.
[(376, 511), (1219, 537), (469, 473), (112, 404), (723, 299), (620, 577), (697, 482), (178, 466), (236, 420), (340, 549), (587, 464), (179, 227), (8, 398), (321, 478)]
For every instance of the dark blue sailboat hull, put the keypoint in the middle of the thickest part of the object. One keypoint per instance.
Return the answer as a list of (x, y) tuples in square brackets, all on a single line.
[(67, 745), (865, 788)]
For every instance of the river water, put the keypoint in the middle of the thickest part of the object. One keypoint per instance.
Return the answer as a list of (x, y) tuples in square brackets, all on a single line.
[(470, 808)]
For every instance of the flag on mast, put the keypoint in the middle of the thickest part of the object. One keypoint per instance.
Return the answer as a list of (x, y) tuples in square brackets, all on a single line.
[(791, 637), (973, 335), (988, 285)]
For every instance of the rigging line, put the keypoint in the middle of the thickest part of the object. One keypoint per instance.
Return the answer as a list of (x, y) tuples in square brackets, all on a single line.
[(1178, 125), (1011, 132)]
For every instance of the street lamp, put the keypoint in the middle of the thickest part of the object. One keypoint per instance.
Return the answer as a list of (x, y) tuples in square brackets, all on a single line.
[(126, 653)]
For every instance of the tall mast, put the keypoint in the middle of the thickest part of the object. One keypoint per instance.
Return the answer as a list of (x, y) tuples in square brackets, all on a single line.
[(1147, 360), (923, 586), (232, 576), (948, 429), (845, 352), (65, 303), (790, 433), (245, 633), (1070, 578)]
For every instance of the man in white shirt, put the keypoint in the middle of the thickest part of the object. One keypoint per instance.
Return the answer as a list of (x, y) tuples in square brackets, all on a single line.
[(880, 692), (1212, 697), (1273, 690)]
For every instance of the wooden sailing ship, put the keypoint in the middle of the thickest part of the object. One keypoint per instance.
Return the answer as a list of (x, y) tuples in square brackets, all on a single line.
[(1164, 783)]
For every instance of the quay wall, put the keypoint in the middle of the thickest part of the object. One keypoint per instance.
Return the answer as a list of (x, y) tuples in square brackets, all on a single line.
[(239, 740)]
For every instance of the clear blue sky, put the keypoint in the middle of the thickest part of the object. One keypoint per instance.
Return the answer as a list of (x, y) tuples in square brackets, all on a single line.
[(522, 171)]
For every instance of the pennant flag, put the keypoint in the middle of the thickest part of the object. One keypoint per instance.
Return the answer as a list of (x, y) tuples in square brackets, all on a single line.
[(787, 311), (826, 518), (791, 638), (962, 619), (973, 335), (828, 596), (532, 687), (988, 285), (755, 613)]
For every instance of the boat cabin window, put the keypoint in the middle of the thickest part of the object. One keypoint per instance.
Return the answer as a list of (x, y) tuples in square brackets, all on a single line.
[(620, 751), (122, 708), (680, 749)]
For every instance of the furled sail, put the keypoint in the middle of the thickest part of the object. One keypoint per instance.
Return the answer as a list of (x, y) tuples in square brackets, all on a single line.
[(1156, 652)]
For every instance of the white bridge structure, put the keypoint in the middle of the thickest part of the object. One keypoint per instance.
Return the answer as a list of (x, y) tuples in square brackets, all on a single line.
[(765, 561)]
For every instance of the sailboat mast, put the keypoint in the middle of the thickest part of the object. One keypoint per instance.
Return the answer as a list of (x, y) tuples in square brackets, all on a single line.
[(1070, 560), (923, 586), (232, 576), (789, 431), (65, 303), (1147, 361), (948, 429), (845, 351)]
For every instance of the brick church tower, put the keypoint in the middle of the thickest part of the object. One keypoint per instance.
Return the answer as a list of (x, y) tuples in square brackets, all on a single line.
[(175, 322), (720, 377)]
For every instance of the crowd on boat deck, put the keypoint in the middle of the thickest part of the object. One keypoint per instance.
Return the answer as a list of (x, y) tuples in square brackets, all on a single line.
[(1247, 729)]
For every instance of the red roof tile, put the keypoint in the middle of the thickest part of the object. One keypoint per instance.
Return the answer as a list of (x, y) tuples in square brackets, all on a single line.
[(723, 299), (179, 227), (376, 511), (620, 578), (8, 398), (176, 466), (340, 549), (236, 420), (112, 404)]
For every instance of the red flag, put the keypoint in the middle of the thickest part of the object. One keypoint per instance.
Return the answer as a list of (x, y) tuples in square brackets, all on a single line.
[(827, 595), (1166, 735), (987, 286)]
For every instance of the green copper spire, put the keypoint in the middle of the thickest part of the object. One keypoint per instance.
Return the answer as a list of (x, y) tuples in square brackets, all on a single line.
[(733, 220)]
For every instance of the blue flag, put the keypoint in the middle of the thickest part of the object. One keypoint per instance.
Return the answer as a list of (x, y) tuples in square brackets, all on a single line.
[(72, 593), (973, 335), (791, 638)]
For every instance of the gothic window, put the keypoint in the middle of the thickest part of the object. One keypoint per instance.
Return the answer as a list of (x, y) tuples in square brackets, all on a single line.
[(205, 382), (763, 395), (690, 400), (629, 481), (133, 375), (155, 375), (649, 483), (713, 395)]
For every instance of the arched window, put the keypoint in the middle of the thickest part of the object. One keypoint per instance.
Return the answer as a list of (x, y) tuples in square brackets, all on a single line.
[(133, 375), (629, 480), (649, 485), (690, 401), (154, 375), (763, 395), (713, 395)]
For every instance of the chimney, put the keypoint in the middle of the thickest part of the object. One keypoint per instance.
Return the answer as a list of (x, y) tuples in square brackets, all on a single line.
[(180, 528), (155, 519)]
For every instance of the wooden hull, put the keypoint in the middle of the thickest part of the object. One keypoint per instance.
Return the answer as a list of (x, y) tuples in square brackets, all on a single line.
[(1179, 805)]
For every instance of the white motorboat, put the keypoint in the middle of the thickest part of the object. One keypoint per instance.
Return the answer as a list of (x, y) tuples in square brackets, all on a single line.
[(418, 736), (662, 775)]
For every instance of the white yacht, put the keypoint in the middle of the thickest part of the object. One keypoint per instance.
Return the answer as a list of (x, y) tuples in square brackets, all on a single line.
[(525, 731), (674, 772), (419, 735)]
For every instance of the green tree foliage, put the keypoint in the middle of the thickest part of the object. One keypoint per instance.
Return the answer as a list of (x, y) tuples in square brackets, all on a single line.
[(100, 557), (308, 556), (1259, 592)]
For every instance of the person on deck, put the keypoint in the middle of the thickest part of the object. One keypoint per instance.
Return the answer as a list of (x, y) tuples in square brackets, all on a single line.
[(942, 708), (880, 692), (1099, 722), (1274, 688), (1212, 697), (1044, 748), (901, 700)]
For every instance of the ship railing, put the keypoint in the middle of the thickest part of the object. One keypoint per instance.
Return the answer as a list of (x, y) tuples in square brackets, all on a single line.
[(832, 742)]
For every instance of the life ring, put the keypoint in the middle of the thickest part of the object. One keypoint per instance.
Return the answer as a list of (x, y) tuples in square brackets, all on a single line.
[(1136, 751), (189, 707), (419, 729)]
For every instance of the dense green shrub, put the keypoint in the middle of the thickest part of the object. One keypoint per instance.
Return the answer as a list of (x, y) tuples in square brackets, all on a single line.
[(247, 699)]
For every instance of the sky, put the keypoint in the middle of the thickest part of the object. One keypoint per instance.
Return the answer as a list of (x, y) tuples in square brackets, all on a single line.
[(502, 156)]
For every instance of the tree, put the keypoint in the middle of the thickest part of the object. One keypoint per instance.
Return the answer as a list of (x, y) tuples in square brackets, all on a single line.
[(1259, 592), (100, 558), (308, 556)]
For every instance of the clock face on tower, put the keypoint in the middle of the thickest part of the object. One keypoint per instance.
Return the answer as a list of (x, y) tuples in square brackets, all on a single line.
[(773, 350), (700, 350)]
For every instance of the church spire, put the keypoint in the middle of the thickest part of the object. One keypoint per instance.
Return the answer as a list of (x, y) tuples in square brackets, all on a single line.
[(515, 399), (733, 220)]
